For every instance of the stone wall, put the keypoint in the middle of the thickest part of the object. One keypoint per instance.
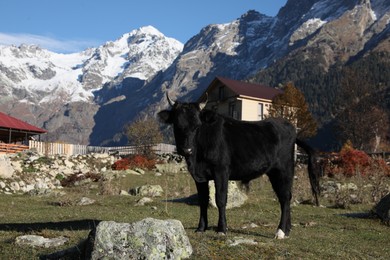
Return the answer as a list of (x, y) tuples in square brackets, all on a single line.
[(29, 171)]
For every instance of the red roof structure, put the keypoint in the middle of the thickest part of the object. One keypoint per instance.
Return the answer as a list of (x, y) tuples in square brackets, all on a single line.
[(250, 89), (242, 88), (13, 129)]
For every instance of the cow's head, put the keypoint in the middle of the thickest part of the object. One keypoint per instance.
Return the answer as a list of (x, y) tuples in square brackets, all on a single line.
[(185, 118)]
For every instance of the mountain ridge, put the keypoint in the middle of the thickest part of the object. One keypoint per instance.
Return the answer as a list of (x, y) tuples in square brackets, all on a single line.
[(323, 34)]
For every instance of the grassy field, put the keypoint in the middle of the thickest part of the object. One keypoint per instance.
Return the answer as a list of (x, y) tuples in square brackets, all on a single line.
[(325, 232)]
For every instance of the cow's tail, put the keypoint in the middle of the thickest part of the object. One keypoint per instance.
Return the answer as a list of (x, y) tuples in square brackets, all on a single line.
[(314, 173)]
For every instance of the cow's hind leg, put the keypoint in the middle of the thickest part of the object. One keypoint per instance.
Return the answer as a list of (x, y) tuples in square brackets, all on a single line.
[(203, 197), (221, 190), (281, 181)]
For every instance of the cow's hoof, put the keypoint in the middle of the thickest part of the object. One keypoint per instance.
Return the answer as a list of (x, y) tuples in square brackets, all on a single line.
[(200, 231), (280, 234), (222, 234)]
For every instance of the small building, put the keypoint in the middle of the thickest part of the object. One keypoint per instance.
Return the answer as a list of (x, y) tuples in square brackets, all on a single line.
[(14, 133), (239, 100)]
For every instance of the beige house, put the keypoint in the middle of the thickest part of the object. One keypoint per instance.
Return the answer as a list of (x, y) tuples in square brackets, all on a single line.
[(239, 100)]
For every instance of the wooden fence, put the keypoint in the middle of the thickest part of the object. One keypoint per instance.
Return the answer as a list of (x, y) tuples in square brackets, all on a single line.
[(49, 148), (12, 148)]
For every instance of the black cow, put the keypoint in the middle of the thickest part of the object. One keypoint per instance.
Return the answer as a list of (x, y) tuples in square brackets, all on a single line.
[(221, 149)]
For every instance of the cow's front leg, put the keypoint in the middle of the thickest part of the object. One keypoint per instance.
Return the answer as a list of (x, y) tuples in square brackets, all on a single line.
[(203, 197), (221, 190)]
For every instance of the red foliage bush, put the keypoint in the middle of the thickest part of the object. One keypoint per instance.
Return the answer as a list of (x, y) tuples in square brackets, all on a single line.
[(350, 162), (122, 164), (134, 161), (354, 161)]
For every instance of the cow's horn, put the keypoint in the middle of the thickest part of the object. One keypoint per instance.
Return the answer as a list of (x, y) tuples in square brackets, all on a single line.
[(172, 103), (203, 104)]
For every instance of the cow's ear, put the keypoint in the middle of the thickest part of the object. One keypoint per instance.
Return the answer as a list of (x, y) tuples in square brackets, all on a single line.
[(165, 116)]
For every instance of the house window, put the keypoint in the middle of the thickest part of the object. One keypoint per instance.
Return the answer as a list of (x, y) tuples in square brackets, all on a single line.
[(233, 110), (260, 111), (221, 93)]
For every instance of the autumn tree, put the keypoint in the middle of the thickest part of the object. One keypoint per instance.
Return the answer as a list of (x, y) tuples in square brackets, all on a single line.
[(291, 104), (144, 133)]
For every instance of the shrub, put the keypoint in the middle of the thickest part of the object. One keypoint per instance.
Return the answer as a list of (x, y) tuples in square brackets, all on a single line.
[(143, 133), (122, 164), (354, 161), (134, 161), (350, 162)]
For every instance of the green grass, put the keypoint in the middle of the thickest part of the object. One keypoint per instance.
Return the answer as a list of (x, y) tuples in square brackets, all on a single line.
[(318, 232)]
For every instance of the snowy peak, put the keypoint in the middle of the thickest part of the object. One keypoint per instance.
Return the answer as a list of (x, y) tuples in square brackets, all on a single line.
[(31, 70), (138, 54), (73, 77)]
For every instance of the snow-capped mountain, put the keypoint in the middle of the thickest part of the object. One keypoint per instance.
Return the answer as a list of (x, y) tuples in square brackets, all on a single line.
[(42, 86), (254, 42), (73, 77), (33, 70), (138, 54), (322, 33), (94, 94)]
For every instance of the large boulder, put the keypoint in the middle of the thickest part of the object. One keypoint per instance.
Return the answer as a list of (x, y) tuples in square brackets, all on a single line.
[(235, 198), (145, 239), (382, 209)]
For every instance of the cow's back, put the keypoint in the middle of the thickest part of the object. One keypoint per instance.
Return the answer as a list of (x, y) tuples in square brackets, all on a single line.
[(248, 149)]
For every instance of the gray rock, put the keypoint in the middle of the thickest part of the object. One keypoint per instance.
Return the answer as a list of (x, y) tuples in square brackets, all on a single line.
[(14, 186), (69, 164), (40, 241), (236, 197), (170, 167), (124, 193), (6, 169), (330, 187), (147, 191), (28, 187), (33, 158), (349, 186), (382, 209), (85, 201), (17, 166), (139, 170), (240, 240), (143, 201), (40, 185), (132, 172), (146, 239), (40, 192)]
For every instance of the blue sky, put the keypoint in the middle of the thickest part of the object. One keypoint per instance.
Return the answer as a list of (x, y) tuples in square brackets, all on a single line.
[(74, 25)]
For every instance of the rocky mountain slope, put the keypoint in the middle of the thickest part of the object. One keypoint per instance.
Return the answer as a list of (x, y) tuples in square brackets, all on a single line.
[(57, 91), (358, 41), (119, 85), (322, 34)]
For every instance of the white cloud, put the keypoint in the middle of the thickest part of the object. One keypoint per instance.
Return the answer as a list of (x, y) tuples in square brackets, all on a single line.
[(67, 46)]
